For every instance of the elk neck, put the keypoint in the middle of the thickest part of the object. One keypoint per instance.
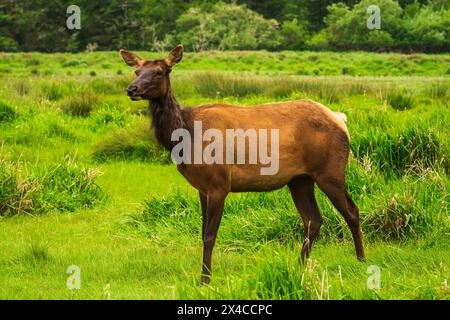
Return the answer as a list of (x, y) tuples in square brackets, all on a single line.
[(167, 116)]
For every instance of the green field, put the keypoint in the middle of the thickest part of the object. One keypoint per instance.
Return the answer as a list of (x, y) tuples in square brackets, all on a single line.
[(83, 183)]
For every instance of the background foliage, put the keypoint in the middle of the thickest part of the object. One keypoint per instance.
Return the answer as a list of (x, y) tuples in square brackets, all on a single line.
[(156, 25)]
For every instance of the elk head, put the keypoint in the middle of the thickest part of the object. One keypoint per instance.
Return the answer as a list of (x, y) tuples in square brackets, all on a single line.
[(152, 76)]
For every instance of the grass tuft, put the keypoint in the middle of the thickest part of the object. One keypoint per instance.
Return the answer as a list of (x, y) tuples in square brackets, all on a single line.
[(401, 100), (62, 186), (7, 113), (52, 91), (396, 151), (131, 144), (80, 105)]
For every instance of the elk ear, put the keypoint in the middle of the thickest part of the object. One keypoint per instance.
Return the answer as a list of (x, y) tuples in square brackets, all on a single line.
[(175, 56), (131, 59)]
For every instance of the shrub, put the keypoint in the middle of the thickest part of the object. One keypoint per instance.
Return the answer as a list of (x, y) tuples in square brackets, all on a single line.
[(8, 44), (346, 30), (428, 29), (229, 27), (294, 35)]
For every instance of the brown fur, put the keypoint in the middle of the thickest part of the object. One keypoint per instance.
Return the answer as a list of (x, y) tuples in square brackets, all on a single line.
[(313, 148)]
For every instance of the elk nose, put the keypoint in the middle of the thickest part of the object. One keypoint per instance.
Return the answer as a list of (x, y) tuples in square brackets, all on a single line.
[(131, 90)]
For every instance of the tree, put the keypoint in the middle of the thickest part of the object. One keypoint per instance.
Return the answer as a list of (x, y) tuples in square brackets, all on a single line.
[(294, 35), (407, 25), (428, 30), (347, 29), (226, 27), (7, 36)]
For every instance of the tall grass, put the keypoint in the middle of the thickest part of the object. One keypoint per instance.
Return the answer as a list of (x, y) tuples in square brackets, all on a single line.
[(7, 113), (80, 105), (395, 151), (401, 100), (278, 276), (37, 254), (53, 91), (216, 85), (109, 115), (438, 90), (62, 186), (136, 143), (410, 207)]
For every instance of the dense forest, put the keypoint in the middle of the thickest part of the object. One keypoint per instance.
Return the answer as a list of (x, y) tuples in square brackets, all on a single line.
[(406, 25)]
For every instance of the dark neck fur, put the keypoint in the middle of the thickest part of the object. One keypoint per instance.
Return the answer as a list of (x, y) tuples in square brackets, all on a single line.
[(167, 116)]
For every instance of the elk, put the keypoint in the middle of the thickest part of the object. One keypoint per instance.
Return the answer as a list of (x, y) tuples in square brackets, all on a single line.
[(313, 149)]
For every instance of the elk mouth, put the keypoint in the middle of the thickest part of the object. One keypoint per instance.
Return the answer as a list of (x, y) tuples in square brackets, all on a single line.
[(134, 96)]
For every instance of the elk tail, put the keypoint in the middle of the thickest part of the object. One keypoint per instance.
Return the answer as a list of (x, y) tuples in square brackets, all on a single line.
[(342, 116)]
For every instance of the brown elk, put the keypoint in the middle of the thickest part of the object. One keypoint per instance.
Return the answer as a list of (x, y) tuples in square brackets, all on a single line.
[(313, 149)]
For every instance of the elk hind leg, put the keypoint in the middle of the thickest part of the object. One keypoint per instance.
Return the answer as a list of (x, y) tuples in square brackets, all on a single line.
[(336, 191), (302, 191)]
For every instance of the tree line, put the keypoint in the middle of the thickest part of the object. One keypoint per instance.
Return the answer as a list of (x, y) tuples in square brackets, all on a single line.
[(156, 25)]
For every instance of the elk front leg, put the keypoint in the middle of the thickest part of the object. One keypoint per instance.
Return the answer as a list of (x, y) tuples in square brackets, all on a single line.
[(214, 209), (203, 202)]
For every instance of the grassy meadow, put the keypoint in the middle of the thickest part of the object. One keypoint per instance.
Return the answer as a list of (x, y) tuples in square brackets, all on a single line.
[(83, 183)]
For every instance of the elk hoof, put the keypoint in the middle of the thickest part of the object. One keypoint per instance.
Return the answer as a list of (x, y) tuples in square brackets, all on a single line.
[(362, 259), (205, 279)]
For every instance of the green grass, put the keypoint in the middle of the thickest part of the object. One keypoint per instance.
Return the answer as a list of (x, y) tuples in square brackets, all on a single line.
[(6, 112), (401, 100), (286, 62), (131, 143), (80, 105), (83, 183), (62, 186)]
